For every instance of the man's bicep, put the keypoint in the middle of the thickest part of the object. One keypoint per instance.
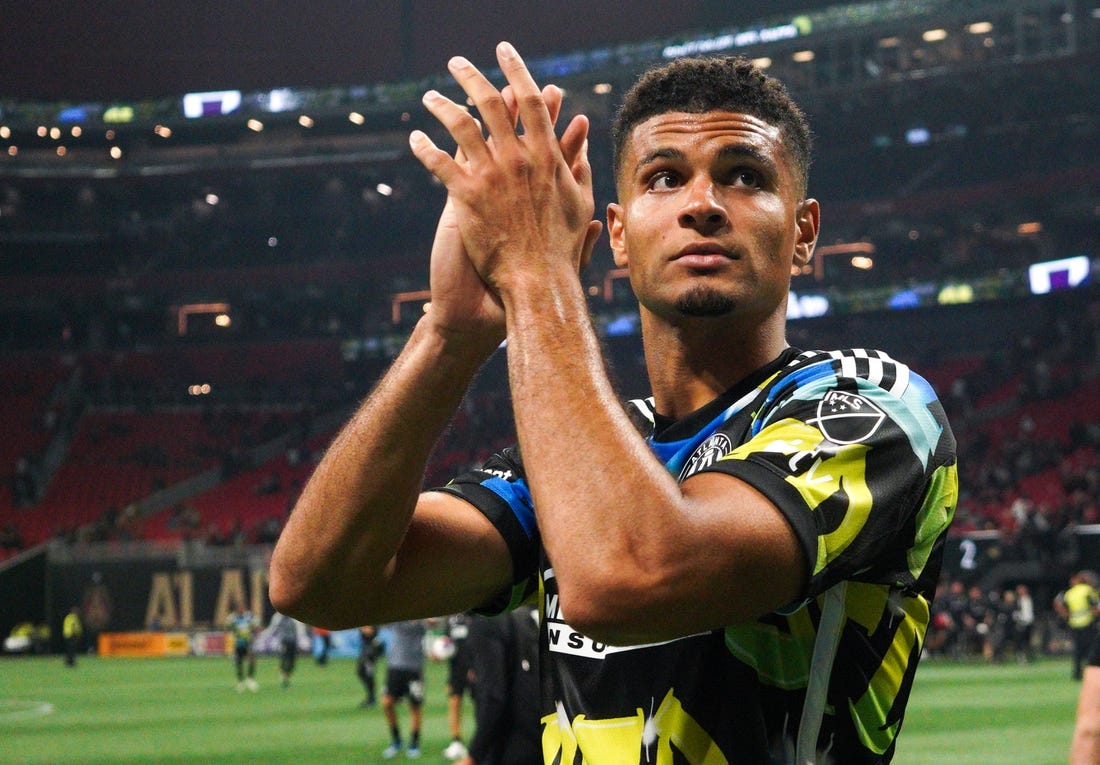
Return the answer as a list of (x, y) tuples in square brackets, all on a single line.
[(451, 560), (763, 564)]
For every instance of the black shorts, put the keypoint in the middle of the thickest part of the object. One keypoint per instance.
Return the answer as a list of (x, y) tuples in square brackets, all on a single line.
[(458, 675), (405, 683)]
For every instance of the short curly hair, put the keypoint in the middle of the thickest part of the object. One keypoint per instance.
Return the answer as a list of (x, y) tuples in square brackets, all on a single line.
[(702, 84)]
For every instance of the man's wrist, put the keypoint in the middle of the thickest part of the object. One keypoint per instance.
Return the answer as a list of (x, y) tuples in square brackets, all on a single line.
[(457, 342)]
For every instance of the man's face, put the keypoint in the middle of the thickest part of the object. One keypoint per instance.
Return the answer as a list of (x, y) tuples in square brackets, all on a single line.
[(710, 217)]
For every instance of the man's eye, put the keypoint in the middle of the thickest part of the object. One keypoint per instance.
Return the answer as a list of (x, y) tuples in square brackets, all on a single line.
[(664, 180), (747, 178)]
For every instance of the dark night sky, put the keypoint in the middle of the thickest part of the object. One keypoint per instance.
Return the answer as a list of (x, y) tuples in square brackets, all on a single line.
[(75, 49)]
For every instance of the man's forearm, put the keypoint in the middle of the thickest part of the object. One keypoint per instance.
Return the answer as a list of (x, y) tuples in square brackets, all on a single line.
[(338, 543), (598, 491)]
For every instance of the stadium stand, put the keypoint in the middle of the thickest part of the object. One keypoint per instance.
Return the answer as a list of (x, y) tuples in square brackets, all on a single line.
[(269, 269)]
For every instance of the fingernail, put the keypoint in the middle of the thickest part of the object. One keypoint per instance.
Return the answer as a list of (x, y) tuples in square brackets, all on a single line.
[(507, 51), (431, 95), (459, 62)]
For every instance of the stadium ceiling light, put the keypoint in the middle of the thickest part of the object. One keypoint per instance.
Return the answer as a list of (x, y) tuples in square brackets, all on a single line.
[(77, 131), (62, 151), (357, 118), (116, 152), (13, 150), (763, 62), (305, 121), (255, 125), (980, 28), (384, 189), (55, 133), (803, 56), (934, 35), (889, 42), (5, 131), (601, 88), (163, 131)]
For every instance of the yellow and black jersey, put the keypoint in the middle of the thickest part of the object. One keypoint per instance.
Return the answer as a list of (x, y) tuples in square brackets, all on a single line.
[(855, 450)]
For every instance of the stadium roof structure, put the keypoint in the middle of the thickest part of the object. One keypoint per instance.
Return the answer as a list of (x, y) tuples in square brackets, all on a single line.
[(826, 49)]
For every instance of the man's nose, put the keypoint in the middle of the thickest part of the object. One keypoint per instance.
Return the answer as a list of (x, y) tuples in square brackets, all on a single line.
[(703, 207)]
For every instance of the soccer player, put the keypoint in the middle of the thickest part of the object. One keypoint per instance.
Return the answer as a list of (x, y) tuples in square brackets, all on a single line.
[(404, 680), (458, 671), (370, 650), (736, 569), (290, 633), (242, 626)]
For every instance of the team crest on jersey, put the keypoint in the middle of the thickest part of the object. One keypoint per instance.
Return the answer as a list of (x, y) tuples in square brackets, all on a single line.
[(707, 453), (847, 418)]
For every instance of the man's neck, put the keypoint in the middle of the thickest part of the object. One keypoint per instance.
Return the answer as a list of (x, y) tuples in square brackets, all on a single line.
[(692, 363)]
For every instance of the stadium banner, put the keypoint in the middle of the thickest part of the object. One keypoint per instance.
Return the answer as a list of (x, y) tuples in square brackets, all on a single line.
[(144, 644), (156, 594)]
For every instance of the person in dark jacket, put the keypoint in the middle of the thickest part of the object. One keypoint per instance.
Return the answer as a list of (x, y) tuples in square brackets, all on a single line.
[(504, 663)]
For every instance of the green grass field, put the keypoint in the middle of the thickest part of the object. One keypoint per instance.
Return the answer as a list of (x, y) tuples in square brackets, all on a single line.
[(169, 711)]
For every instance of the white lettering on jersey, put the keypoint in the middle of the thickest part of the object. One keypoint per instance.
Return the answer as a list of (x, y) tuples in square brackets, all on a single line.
[(505, 474), (564, 639)]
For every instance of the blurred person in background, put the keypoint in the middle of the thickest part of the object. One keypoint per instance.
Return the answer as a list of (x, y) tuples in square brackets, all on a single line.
[(290, 633), (458, 671), (366, 665), (324, 645), (72, 631), (504, 664), (404, 681), (1079, 605), (242, 626), (1023, 625)]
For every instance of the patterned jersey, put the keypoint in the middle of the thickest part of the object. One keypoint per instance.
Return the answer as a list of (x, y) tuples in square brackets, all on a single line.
[(242, 626), (854, 449)]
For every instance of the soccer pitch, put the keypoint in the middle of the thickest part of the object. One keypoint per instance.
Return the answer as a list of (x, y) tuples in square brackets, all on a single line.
[(186, 710)]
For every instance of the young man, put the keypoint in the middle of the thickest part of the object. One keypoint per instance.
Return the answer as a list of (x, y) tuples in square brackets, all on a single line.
[(744, 579)]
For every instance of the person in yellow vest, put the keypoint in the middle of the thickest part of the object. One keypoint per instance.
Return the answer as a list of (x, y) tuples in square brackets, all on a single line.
[(72, 631), (1079, 606)]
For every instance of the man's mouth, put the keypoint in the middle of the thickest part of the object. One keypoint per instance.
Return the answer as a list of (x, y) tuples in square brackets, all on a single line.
[(704, 256)]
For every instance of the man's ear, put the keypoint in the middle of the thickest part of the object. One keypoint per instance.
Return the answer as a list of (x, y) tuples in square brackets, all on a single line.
[(808, 221), (615, 224)]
